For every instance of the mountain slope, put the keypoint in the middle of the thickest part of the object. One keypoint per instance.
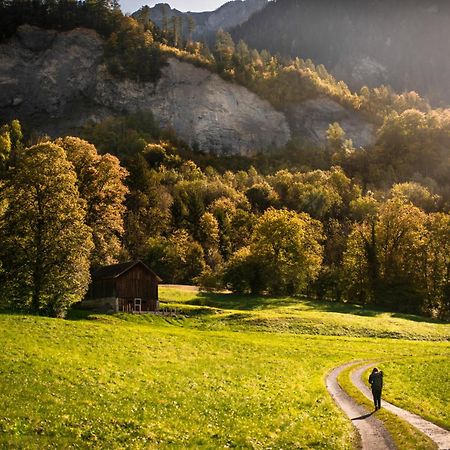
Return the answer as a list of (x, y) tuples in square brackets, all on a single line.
[(57, 81), (207, 23), (404, 44)]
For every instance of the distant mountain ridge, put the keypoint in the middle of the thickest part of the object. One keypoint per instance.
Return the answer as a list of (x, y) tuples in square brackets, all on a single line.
[(231, 14), (404, 44)]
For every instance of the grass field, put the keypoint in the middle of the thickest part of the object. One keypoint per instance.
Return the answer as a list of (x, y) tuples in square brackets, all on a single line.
[(233, 372)]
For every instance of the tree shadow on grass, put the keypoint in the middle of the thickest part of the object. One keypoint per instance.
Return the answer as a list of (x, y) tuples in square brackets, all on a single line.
[(247, 302), (416, 318), (344, 308), (244, 302)]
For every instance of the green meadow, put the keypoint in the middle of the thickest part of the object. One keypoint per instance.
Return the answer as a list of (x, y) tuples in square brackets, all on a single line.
[(226, 372)]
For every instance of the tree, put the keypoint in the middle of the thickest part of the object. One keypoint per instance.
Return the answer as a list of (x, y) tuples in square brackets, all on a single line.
[(45, 241), (287, 246), (437, 263), (209, 238), (243, 274), (384, 257), (178, 258), (190, 26), (100, 180), (224, 50), (417, 194), (335, 137), (5, 145)]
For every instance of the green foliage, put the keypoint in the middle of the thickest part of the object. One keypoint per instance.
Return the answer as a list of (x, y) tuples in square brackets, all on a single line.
[(393, 258), (243, 272), (10, 143), (5, 144), (45, 241), (284, 255), (177, 258), (416, 142), (130, 52), (100, 181)]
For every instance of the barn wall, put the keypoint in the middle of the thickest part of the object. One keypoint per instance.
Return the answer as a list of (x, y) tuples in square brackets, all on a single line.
[(118, 294), (137, 282), (104, 288)]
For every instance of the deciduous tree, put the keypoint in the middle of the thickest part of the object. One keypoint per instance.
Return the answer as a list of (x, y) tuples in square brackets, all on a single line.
[(45, 241), (100, 180)]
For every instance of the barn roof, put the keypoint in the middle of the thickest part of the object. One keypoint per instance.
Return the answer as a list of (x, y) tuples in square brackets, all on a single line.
[(116, 270)]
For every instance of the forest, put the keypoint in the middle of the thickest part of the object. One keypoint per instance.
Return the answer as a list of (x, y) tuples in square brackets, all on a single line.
[(363, 225)]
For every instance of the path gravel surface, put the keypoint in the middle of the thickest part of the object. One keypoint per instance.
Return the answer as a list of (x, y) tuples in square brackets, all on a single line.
[(373, 434)]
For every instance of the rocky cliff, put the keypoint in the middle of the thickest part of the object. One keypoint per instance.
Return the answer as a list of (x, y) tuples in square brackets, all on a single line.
[(55, 82), (311, 119)]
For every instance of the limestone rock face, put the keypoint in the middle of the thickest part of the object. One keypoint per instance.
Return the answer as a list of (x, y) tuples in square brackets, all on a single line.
[(56, 81), (361, 71), (311, 119), (43, 73), (206, 111)]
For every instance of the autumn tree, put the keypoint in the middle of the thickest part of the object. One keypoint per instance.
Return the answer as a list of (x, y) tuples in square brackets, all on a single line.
[(45, 241), (100, 181), (285, 250), (436, 263), (209, 238), (177, 258), (10, 143), (385, 254)]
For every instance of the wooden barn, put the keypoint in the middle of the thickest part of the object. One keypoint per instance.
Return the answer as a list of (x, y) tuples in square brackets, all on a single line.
[(129, 287)]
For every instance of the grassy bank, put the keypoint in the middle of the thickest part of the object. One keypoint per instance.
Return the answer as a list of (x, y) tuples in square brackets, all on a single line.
[(298, 316)]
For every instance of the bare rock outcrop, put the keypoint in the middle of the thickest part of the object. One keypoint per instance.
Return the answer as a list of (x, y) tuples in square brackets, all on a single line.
[(206, 111), (56, 81), (311, 119)]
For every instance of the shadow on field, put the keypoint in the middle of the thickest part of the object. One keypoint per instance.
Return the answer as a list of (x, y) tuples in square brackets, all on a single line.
[(247, 302), (78, 314)]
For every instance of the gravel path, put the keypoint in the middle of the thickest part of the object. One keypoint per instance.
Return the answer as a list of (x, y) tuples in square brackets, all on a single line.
[(372, 432), (437, 434)]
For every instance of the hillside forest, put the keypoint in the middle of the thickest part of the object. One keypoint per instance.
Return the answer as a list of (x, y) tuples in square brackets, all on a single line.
[(363, 225)]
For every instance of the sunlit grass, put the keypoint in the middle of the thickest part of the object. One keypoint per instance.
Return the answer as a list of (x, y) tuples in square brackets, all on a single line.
[(199, 380), (299, 316)]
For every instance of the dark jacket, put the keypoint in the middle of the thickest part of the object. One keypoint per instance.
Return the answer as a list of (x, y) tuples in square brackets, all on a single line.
[(376, 381)]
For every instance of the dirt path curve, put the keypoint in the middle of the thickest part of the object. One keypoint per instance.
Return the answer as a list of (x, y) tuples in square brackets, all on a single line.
[(372, 432), (437, 434)]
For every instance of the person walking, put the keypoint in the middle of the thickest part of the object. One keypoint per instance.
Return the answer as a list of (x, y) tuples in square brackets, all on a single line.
[(376, 383)]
